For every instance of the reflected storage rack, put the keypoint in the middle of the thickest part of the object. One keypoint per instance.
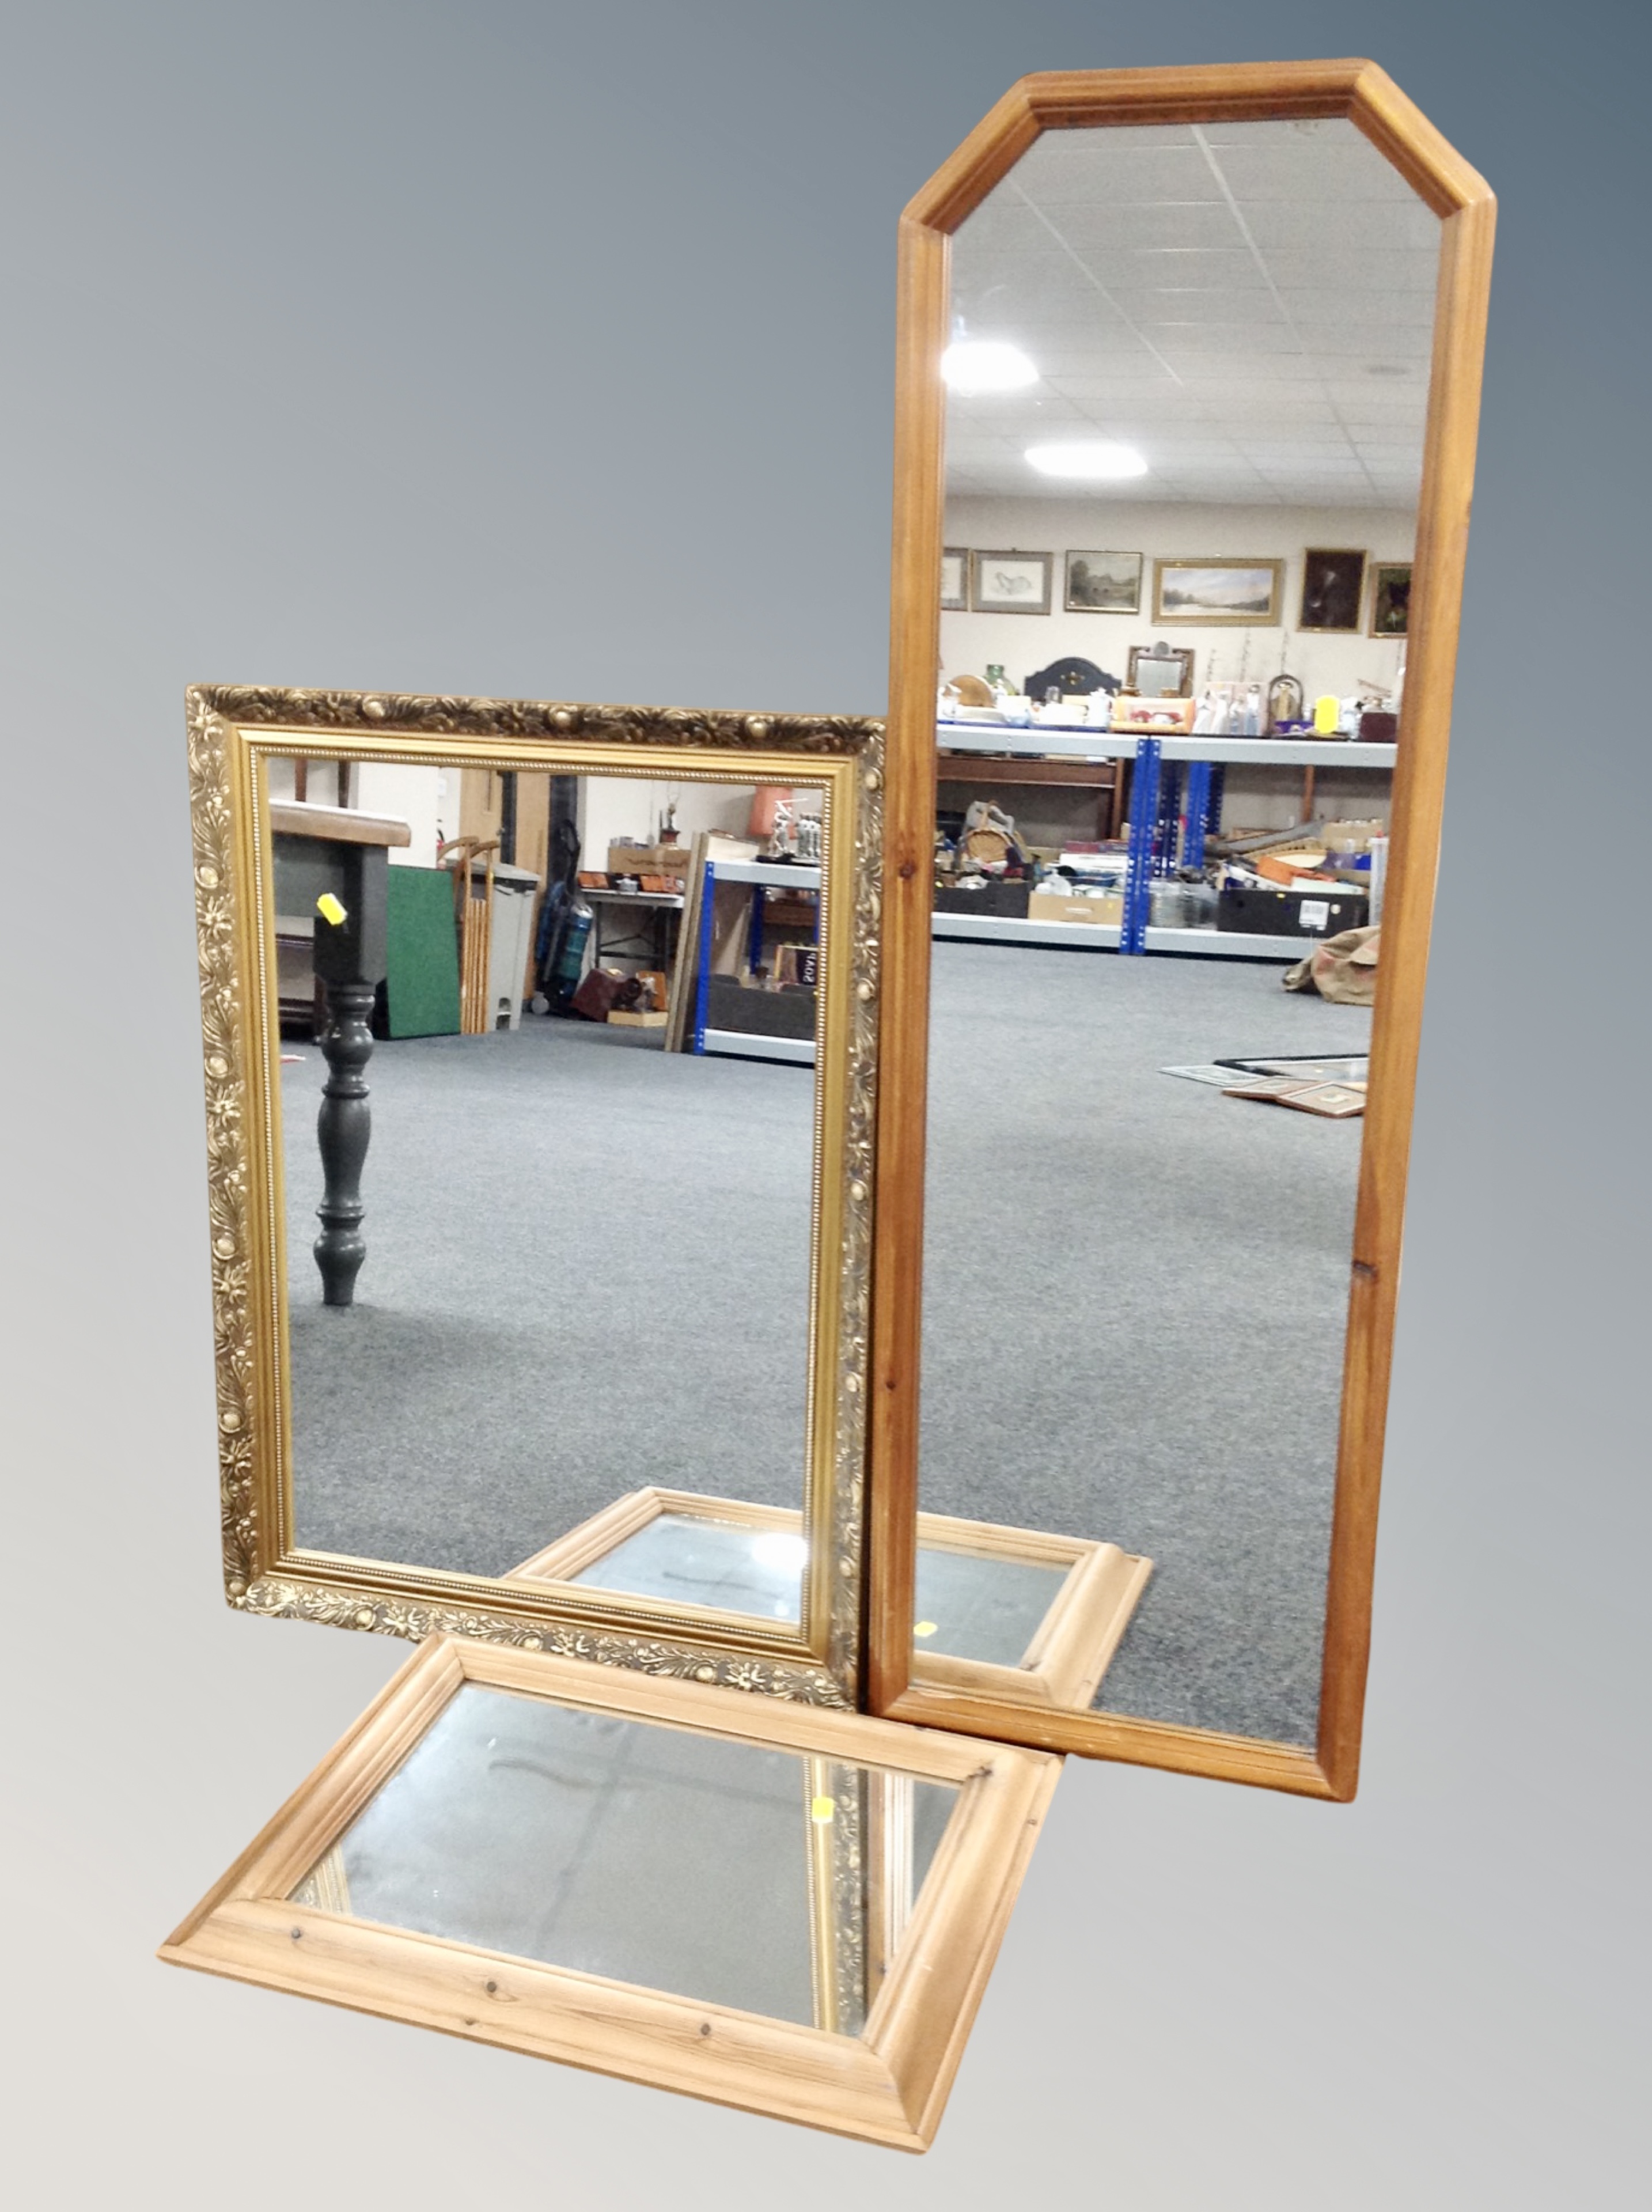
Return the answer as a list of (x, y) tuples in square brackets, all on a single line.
[(1172, 778), (763, 875)]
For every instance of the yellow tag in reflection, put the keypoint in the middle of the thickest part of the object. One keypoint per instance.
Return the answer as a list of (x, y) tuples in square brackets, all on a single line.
[(1327, 713), (330, 909), (822, 1809), (923, 1628)]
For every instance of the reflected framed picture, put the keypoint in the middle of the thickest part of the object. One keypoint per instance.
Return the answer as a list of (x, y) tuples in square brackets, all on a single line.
[(1104, 584), (1332, 588), (1390, 598), (1215, 592), (955, 579), (1011, 583)]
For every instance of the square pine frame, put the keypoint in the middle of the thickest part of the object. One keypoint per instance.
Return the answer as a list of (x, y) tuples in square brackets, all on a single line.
[(887, 2085)]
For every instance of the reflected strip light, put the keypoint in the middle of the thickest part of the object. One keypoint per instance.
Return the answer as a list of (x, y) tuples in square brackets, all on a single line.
[(971, 365), (1092, 458)]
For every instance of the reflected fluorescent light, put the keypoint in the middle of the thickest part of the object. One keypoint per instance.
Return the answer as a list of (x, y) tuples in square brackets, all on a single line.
[(971, 365), (786, 1554), (1092, 458)]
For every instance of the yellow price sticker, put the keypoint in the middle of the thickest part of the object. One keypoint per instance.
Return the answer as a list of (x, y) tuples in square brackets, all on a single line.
[(822, 1809), (330, 910), (923, 1628)]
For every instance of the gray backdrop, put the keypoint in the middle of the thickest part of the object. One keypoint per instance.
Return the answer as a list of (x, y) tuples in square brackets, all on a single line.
[(546, 349)]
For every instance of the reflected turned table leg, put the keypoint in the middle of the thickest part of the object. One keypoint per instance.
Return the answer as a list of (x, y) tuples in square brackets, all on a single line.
[(349, 962), (343, 1128)]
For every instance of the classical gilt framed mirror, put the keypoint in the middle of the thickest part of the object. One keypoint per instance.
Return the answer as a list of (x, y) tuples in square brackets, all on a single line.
[(1139, 1209), (562, 1019)]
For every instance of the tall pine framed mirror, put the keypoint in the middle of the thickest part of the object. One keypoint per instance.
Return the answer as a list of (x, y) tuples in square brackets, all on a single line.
[(1189, 376), (536, 1035)]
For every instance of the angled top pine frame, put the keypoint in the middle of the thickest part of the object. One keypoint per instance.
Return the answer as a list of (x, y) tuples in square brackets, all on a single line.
[(1362, 94)]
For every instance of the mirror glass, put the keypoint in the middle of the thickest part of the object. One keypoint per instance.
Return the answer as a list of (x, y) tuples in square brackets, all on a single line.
[(575, 1254), (1208, 347), (721, 1870)]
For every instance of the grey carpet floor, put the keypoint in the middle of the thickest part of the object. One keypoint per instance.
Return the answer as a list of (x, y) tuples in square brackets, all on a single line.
[(1135, 1291), (587, 1270)]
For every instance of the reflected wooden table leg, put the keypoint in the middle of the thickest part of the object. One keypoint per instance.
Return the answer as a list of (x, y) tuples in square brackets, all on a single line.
[(343, 1128), (349, 961)]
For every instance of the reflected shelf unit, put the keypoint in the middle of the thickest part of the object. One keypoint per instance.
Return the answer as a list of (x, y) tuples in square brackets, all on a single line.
[(761, 876), (1059, 754)]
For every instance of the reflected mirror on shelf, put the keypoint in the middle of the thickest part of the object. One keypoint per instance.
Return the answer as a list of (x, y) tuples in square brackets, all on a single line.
[(1161, 670), (1153, 1313), (549, 1042), (782, 1908)]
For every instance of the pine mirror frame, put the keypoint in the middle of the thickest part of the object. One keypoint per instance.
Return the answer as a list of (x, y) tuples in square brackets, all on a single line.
[(232, 731), (887, 2085), (1362, 94)]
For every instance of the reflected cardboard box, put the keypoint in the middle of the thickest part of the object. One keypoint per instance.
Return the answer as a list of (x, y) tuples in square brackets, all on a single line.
[(647, 859), (1103, 911)]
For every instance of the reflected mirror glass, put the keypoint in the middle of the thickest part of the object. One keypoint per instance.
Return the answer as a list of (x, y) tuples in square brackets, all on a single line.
[(1143, 1155), (576, 1252), (770, 1880)]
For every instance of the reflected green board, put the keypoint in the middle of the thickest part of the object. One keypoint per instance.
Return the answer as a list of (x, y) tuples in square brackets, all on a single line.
[(421, 986)]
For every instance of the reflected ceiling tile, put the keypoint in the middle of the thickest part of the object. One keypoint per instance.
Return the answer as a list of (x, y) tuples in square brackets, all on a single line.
[(1216, 367), (1225, 337), (1135, 363), (998, 225), (1381, 271), (1065, 169), (1226, 295), (1312, 175), (1408, 311), (1156, 390), (1006, 412), (1295, 452), (1185, 224), (1352, 228), (1272, 130), (1177, 262), (1342, 345)]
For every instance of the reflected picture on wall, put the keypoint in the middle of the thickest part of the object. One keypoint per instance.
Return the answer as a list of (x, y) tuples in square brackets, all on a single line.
[(1333, 586), (1390, 599), (1104, 584), (1213, 591)]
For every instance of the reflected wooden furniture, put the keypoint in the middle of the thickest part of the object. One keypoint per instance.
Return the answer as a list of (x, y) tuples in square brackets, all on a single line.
[(954, 771)]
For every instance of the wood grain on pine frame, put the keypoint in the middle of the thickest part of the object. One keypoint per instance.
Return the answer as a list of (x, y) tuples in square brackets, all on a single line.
[(1362, 92), (887, 2085)]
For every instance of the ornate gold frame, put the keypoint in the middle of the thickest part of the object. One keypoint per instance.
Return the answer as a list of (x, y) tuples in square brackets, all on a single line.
[(1368, 98), (232, 731)]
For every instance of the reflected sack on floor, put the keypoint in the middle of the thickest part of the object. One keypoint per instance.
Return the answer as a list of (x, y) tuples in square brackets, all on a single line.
[(1342, 969)]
